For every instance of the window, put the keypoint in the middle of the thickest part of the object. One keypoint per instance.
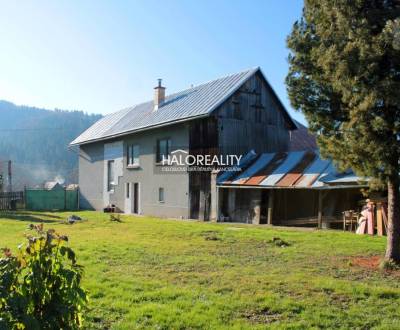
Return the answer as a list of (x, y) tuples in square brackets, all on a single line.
[(132, 155), (161, 195), (163, 149), (128, 190), (237, 114), (110, 175)]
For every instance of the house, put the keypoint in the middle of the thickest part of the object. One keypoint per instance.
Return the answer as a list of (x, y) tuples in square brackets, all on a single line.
[(122, 155)]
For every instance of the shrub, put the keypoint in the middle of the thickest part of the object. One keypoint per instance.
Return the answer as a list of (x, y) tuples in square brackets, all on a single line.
[(40, 286)]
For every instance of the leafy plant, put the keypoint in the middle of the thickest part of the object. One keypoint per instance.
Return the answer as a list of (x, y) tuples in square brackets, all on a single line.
[(40, 286), (115, 218), (279, 242)]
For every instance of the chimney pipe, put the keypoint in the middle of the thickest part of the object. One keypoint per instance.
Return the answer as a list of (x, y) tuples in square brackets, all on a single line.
[(159, 95)]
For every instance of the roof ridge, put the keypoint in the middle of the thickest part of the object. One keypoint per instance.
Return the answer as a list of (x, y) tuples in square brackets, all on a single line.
[(253, 69)]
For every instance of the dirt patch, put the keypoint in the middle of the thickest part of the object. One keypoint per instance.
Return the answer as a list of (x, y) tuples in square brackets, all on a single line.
[(264, 315), (210, 235), (371, 262)]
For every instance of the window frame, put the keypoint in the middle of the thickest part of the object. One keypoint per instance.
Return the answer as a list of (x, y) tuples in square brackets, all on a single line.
[(110, 175), (131, 160), (237, 109), (158, 149), (161, 195)]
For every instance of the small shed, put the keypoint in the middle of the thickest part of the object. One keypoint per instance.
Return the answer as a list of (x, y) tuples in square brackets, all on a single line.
[(287, 188)]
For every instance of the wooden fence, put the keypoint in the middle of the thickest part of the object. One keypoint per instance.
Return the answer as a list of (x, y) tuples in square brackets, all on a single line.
[(11, 200)]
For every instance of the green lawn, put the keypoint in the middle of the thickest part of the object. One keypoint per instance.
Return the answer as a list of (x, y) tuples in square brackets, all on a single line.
[(147, 273)]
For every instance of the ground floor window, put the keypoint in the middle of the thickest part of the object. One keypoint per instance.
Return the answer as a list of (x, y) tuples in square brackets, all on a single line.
[(161, 195), (110, 175)]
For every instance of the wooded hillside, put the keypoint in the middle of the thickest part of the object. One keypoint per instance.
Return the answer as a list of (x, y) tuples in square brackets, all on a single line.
[(36, 140)]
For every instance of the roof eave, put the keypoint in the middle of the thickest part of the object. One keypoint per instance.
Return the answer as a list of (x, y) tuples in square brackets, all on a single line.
[(168, 123)]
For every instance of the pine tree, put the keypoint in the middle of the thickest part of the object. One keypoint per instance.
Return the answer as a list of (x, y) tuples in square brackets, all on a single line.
[(345, 77)]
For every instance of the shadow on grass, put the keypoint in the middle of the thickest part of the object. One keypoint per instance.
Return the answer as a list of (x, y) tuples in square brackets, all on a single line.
[(28, 217)]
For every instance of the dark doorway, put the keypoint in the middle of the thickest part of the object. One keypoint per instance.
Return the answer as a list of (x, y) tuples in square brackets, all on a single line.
[(136, 198)]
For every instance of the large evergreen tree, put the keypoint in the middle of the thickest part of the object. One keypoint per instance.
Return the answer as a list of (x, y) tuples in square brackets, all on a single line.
[(345, 77)]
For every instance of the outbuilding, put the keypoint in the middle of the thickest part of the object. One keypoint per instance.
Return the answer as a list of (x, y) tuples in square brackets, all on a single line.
[(287, 188)]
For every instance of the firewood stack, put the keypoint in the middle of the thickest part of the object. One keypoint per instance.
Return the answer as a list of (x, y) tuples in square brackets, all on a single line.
[(373, 218)]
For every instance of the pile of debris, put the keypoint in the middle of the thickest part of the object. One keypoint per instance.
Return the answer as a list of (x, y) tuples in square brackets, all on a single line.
[(73, 218)]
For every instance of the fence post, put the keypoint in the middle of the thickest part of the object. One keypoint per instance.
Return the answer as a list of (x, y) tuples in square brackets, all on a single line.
[(24, 197), (65, 198), (77, 196)]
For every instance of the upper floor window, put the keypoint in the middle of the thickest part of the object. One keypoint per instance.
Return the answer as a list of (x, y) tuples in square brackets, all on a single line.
[(237, 113), (163, 149), (110, 175), (133, 155)]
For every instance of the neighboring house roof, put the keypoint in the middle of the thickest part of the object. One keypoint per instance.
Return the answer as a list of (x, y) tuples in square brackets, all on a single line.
[(195, 102), (297, 169), (51, 185), (302, 139), (72, 186)]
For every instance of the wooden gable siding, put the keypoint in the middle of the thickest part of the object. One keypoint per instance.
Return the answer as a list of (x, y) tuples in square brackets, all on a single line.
[(252, 119)]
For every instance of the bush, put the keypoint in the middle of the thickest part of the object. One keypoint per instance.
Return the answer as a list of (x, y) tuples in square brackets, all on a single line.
[(40, 286)]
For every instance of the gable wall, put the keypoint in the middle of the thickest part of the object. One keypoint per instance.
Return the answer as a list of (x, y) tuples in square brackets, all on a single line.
[(238, 136)]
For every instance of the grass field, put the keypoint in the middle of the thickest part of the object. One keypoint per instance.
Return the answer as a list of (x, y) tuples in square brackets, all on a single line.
[(147, 273)]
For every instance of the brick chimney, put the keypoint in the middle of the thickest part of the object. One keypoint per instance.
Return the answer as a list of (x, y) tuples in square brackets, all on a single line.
[(159, 95)]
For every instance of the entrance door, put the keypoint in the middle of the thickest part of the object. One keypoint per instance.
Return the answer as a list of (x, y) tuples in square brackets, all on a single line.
[(136, 198), (128, 198)]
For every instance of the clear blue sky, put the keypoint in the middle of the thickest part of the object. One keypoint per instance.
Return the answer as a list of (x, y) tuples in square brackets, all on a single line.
[(101, 56)]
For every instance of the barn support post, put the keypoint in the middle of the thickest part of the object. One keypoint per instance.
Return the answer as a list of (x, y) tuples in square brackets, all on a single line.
[(319, 209), (202, 204), (214, 197), (256, 209), (270, 207)]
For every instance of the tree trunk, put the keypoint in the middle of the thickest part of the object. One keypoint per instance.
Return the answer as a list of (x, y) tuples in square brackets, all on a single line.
[(393, 230)]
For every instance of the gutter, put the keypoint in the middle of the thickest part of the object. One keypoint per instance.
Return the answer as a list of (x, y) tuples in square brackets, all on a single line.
[(296, 188), (140, 129)]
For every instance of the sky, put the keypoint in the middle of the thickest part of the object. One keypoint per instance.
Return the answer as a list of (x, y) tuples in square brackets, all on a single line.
[(101, 56)]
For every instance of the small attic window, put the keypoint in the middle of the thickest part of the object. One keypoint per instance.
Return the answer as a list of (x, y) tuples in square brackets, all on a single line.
[(237, 113)]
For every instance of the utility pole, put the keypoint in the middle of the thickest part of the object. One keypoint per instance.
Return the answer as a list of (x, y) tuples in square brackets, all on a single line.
[(9, 183)]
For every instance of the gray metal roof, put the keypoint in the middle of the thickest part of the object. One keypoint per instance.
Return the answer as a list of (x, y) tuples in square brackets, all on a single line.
[(194, 102)]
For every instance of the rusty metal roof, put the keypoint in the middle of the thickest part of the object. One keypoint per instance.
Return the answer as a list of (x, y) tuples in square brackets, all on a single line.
[(297, 169)]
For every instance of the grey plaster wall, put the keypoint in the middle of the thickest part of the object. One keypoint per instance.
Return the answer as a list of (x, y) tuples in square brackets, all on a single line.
[(148, 175)]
